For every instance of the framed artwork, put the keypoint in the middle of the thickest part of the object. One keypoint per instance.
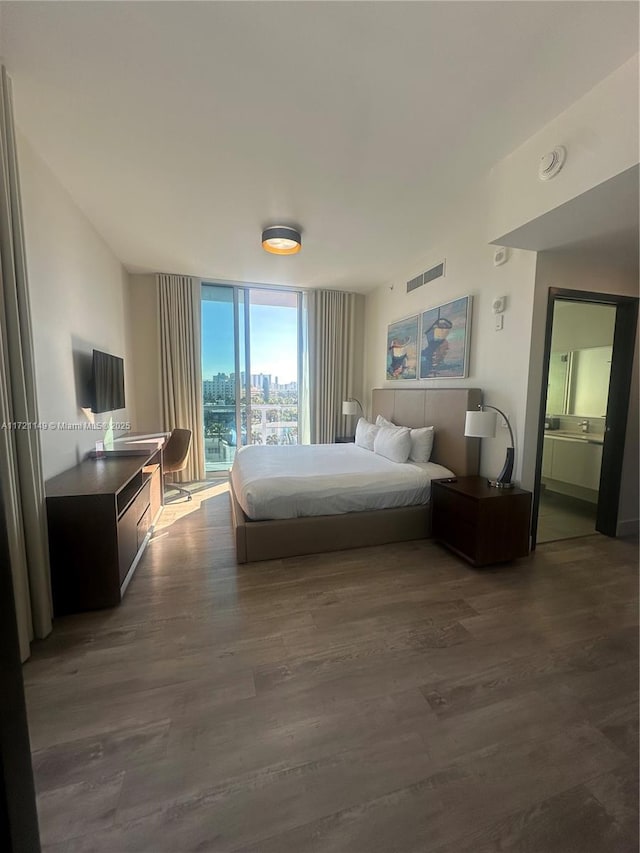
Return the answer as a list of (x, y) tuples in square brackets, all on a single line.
[(402, 349), (444, 340)]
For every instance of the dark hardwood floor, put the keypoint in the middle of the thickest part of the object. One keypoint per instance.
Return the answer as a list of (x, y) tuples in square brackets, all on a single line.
[(381, 700)]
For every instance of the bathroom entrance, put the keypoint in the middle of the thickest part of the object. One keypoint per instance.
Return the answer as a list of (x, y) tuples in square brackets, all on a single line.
[(588, 362), (575, 417)]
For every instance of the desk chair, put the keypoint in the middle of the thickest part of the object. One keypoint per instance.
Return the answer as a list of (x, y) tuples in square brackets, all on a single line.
[(176, 453)]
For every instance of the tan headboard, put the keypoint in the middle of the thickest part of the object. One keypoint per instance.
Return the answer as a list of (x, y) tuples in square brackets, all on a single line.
[(442, 408)]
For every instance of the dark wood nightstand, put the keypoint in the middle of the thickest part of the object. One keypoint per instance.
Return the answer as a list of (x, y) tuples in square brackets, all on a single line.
[(483, 524), (345, 439)]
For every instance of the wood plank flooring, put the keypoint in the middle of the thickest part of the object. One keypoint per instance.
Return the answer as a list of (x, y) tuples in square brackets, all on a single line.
[(380, 700)]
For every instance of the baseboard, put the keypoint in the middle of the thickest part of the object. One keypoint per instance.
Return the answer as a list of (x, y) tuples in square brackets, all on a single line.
[(570, 490), (630, 527)]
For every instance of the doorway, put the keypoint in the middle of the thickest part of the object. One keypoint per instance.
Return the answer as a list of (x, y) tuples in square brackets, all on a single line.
[(575, 415), (588, 361)]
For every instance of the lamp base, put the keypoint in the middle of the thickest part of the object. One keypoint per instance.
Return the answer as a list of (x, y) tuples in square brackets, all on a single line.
[(498, 485)]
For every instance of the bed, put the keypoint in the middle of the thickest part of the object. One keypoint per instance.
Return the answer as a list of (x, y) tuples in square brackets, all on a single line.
[(371, 520)]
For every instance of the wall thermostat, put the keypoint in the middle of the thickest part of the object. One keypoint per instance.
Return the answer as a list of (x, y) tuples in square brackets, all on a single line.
[(498, 305), (500, 257)]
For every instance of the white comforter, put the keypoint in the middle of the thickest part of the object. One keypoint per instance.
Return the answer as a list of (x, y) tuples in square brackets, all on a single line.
[(326, 479)]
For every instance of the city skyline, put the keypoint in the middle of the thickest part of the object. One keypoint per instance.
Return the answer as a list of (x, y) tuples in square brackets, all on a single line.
[(221, 388), (274, 340), (256, 378)]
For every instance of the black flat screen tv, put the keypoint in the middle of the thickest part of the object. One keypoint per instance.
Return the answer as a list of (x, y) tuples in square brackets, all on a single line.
[(107, 382)]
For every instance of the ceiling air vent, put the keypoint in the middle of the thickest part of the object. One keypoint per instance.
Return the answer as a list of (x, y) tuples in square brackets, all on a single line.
[(425, 277)]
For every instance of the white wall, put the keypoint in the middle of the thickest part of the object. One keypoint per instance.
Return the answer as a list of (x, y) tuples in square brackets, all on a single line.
[(600, 132), (79, 296), (498, 359), (596, 272)]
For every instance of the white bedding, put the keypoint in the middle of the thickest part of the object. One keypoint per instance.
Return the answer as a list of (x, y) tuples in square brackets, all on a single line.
[(326, 479)]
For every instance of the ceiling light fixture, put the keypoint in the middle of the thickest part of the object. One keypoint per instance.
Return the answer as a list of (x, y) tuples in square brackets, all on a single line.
[(281, 240)]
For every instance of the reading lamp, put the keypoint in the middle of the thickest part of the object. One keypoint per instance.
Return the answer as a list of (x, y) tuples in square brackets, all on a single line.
[(350, 406), (482, 424)]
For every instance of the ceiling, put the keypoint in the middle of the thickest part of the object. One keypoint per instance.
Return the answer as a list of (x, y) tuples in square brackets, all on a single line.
[(605, 218), (182, 129)]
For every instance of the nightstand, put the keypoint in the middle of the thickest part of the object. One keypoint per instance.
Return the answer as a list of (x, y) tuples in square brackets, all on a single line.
[(344, 439), (483, 524)]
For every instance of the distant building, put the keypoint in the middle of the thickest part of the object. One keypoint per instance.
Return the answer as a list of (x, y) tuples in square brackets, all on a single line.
[(222, 387), (219, 387)]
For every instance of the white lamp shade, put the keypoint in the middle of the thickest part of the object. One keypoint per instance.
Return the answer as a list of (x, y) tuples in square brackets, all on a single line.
[(480, 424), (349, 407)]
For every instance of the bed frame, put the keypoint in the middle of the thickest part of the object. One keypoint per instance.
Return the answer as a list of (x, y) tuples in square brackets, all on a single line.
[(443, 408)]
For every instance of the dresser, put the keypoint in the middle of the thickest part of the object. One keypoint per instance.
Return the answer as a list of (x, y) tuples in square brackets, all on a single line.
[(100, 515)]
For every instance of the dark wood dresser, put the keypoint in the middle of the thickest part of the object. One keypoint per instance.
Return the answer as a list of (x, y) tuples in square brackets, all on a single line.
[(100, 515), (483, 524)]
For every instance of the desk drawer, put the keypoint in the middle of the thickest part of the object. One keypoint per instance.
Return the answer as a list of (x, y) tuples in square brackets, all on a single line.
[(128, 536)]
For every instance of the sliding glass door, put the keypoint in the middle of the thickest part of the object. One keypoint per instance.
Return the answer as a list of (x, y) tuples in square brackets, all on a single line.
[(220, 353), (250, 369)]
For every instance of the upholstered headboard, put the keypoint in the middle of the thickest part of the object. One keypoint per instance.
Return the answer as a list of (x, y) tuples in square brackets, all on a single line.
[(442, 408)]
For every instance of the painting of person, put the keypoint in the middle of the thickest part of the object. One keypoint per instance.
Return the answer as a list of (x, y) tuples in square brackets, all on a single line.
[(435, 353), (402, 349), (445, 340), (398, 355)]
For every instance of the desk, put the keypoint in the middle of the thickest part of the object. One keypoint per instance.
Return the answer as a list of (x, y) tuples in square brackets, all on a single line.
[(100, 515), (143, 440)]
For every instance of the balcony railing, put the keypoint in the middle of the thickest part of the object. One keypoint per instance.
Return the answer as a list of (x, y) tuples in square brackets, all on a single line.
[(271, 424)]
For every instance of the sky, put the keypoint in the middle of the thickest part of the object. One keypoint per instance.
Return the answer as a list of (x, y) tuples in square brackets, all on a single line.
[(274, 340)]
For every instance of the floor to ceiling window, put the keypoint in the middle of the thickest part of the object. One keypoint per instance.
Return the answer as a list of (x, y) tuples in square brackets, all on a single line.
[(250, 369)]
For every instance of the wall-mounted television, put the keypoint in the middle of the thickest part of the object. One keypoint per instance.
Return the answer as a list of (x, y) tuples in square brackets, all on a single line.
[(107, 382)]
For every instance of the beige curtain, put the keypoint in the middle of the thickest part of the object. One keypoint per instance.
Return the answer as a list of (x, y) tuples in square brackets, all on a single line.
[(21, 477), (335, 322), (181, 365)]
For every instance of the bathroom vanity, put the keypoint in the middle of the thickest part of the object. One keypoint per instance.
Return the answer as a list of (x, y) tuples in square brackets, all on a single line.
[(572, 460)]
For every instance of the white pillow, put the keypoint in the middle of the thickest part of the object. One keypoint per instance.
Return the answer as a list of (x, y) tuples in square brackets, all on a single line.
[(394, 443), (365, 434), (421, 444), (380, 421)]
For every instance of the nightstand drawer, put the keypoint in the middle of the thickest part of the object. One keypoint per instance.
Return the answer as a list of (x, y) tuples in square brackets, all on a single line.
[(458, 534), (505, 528), (482, 524), (448, 502)]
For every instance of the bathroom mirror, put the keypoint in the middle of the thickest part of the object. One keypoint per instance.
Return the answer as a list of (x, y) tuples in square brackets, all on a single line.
[(579, 382)]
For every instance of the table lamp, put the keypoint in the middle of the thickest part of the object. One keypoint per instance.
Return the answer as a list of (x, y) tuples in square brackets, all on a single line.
[(482, 424), (350, 406)]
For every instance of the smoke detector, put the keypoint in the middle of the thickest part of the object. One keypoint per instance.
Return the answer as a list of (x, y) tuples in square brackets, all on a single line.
[(551, 163), (500, 256)]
